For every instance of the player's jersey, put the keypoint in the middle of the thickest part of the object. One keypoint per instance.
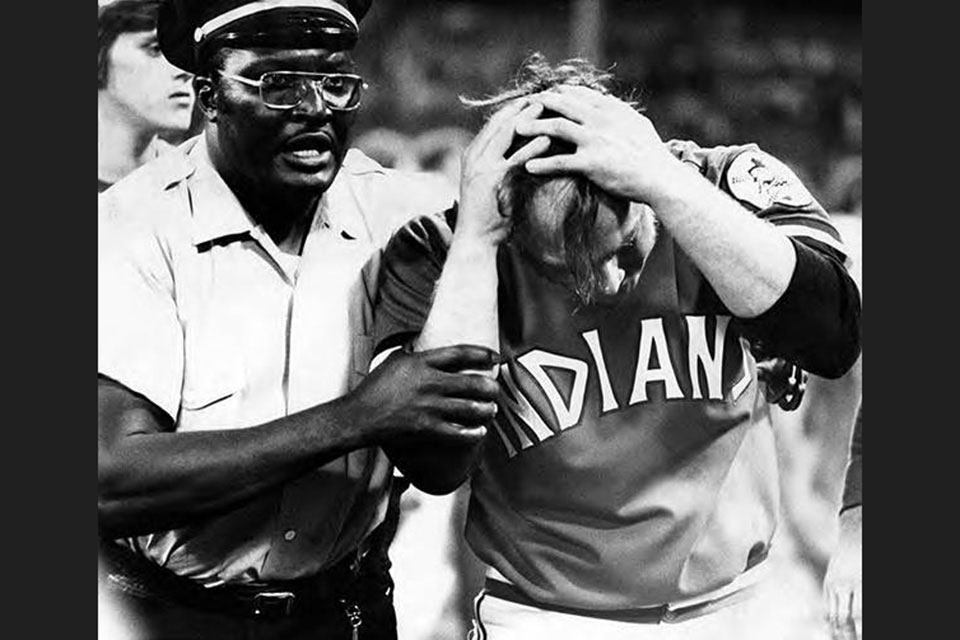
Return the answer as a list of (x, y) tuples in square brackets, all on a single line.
[(631, 462)]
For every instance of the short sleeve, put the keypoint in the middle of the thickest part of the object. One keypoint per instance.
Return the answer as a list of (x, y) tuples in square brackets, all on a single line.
[(410, 269), (816, 322), (139, 338), (776, 194)]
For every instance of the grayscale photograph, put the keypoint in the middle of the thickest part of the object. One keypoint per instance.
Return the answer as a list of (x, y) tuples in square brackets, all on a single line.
[(479, 319)]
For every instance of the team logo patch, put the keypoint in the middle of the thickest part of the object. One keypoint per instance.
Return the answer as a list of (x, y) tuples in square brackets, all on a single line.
[(763, 181)]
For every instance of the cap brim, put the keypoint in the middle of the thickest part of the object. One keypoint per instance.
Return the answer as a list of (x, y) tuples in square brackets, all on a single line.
[(175, 40)]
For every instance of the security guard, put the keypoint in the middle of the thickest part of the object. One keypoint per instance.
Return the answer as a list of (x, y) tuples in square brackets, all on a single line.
[(242, 474)]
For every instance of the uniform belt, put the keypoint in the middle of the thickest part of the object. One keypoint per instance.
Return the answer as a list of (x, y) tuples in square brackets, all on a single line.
[(651, 615), (331, 590)]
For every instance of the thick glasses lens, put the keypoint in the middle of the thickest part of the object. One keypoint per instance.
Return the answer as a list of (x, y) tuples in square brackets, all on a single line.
[(341, 92), (285, 90), (282, 90)]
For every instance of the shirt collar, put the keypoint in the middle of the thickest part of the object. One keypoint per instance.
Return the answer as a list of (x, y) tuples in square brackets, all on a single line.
[(216, 211), (218, 214)]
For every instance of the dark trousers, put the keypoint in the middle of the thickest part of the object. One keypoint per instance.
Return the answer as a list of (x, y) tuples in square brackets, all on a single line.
[(159, 617)]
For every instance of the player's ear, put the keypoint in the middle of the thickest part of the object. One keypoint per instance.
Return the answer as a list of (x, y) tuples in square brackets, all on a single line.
[(206, 92)]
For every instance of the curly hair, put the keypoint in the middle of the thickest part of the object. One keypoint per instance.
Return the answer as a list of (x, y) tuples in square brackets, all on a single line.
[(116, 18), (572, 224), (536, 74)]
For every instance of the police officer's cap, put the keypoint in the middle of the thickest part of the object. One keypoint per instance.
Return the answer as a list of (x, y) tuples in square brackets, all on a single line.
[(186, 27)]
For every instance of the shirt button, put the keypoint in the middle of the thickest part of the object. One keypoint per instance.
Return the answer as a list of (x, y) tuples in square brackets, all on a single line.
[(289, 534)]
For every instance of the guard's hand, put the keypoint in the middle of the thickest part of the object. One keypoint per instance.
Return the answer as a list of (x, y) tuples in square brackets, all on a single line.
[(421, 396), (617, 147), (483, 167)]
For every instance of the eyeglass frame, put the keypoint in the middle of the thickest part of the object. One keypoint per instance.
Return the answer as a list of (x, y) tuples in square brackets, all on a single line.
[(314, 78)]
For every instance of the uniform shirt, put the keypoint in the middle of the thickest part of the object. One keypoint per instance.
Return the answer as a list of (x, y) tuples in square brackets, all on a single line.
[(200, 313), (632, 461)]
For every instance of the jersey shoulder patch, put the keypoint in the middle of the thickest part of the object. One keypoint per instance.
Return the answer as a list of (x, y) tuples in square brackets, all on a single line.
[(757, 178)]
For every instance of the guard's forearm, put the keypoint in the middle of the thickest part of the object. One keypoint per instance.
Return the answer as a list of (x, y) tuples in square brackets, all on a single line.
[(156, 481), (748, 261)]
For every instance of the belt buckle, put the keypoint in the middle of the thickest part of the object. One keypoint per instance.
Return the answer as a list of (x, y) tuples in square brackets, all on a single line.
[(273, 603)]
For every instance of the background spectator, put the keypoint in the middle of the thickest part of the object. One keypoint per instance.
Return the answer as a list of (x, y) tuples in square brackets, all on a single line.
[(143, 102)]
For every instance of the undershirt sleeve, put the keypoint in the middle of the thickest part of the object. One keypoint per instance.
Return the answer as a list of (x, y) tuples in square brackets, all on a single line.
[(816, 322)]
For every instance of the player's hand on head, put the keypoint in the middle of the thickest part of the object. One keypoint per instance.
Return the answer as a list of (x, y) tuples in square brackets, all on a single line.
[(484, 167), (428, 395), (617, 147)]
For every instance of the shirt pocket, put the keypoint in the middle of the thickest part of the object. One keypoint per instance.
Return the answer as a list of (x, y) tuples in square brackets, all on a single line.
[(213, 383)]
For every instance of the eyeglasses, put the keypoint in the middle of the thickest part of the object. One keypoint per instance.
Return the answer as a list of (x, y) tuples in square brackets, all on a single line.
[(287, 89)]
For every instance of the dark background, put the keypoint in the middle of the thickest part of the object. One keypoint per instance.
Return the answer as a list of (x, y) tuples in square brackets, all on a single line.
[(786, 75)]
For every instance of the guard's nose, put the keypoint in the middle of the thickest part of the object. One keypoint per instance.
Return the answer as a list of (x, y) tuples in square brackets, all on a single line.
[(313, 102)]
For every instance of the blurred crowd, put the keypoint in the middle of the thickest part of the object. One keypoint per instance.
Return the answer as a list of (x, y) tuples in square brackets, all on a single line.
[(790, 79), (707, 71)]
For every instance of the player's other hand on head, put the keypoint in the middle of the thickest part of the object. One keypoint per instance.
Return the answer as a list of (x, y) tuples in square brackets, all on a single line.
[(843, 584), (616, 146), (484, 166), (412, 397)]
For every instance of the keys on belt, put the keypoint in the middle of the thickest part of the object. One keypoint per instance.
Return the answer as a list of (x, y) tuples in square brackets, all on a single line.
[(352, 611)]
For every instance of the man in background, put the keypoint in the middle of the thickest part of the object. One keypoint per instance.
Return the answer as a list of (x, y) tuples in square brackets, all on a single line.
[(141, 97), (820, 450)]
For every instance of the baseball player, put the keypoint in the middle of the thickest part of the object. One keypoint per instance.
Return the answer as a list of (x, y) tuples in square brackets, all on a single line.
[(627, 487)]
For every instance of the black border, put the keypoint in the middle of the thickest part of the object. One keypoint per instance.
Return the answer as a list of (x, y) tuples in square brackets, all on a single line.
[(50, 205), (51, 260), (907, 329)]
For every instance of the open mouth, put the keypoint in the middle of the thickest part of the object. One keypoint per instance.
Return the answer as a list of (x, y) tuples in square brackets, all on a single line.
[(309, 150)]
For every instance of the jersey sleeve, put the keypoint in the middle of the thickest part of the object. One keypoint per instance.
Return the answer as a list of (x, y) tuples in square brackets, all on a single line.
[(773, 191), (410, 269), (816, 322), (852, 496), (139, 338)]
